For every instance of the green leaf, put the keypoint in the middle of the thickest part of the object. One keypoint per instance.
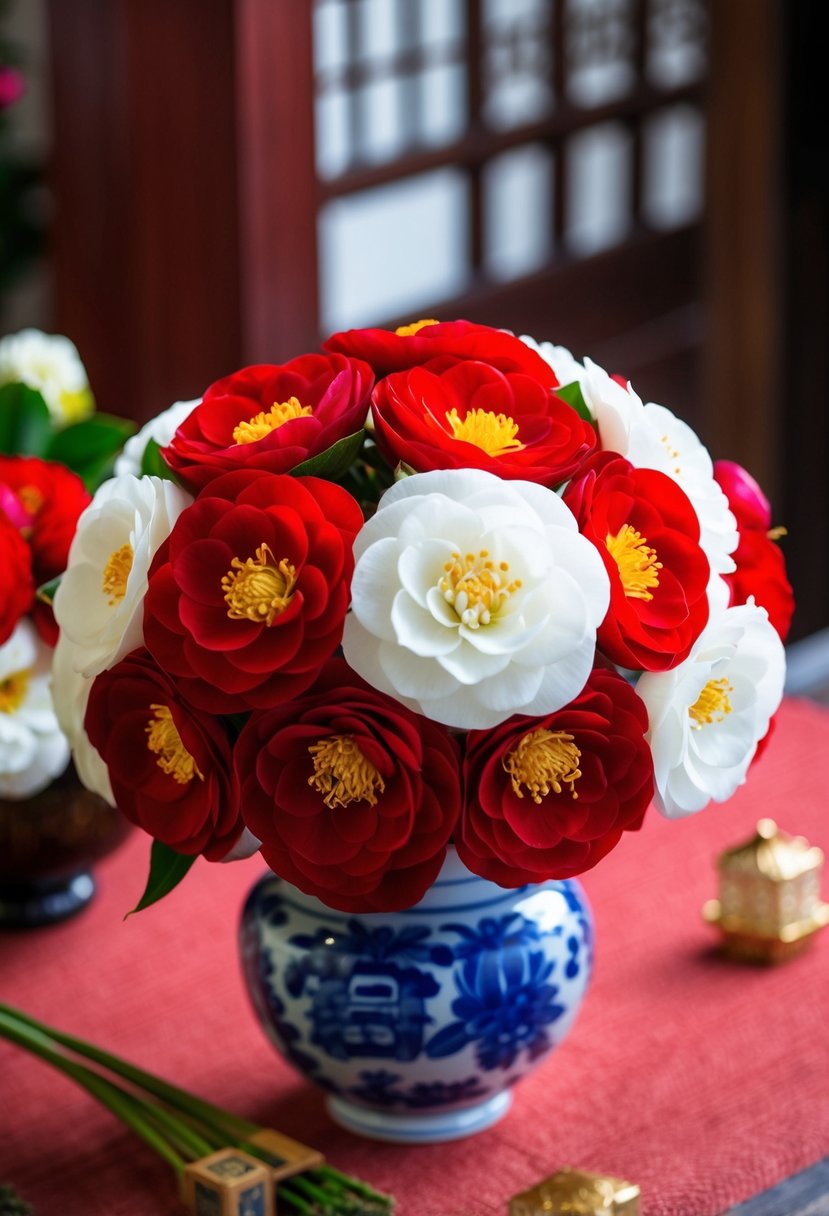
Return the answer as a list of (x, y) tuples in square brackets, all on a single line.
[(572, 394), (167, 868), (25, 425), (91, 442), (334, 461), (153, 463), (46, 592)]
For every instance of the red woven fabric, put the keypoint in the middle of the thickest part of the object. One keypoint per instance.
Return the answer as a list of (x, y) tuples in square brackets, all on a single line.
[(702, 1080)]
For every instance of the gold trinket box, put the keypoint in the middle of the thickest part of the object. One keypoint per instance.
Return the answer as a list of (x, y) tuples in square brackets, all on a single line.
[(769, 906), (577, 1193)]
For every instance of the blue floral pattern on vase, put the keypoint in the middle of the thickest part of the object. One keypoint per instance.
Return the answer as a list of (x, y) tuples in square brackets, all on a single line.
[(436, 1009)]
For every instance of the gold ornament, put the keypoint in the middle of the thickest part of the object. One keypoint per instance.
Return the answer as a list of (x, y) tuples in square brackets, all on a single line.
[(573, 1192), (769, 906)]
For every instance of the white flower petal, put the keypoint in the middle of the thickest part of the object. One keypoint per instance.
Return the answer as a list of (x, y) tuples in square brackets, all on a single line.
[(526, 594), (740, 661)]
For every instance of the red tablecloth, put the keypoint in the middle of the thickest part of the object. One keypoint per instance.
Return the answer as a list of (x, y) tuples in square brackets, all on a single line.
[(705, 1081)]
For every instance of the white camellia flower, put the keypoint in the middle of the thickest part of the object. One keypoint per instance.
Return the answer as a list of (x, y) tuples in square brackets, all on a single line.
[(51, 364), (33, 749), (70, 693), (161, 429), (474, 598), (651, 437), (99, 604), (708, 714), (567, 369)]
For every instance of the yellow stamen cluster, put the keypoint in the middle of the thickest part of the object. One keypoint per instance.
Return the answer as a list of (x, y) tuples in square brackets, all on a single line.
[(673, 454), (116, 573), (262, 424), (476, 588), (408, 331), (13, 690), (712, 704), (163, 739), (342, 774), (544, 761), (494, 434), (31, 498), (636, 561), (258, 589)]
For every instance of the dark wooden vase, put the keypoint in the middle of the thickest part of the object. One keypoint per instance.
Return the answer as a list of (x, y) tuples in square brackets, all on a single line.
[(48, 845)]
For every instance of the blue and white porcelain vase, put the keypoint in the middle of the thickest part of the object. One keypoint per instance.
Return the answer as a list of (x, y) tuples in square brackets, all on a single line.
[(418, 1023)]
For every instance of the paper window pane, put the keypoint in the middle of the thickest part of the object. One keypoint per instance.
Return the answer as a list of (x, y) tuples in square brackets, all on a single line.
[(333, 150), (330, 43), (442, 104), (518, 201), (394, 250), (674, 147), (598, 188)]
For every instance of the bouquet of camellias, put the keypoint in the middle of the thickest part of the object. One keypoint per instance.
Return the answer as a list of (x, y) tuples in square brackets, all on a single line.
[(53, 450), (439, 585)]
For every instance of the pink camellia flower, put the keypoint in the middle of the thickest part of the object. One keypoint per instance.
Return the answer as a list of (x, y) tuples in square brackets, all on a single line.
[(761, 566), (12, 87)]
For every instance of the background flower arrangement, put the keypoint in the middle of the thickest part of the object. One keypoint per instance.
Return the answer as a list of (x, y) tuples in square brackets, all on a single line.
[(443, 584), (54, 450)]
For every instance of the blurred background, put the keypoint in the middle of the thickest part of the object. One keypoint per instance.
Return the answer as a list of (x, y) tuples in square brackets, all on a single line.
[(190, 185)]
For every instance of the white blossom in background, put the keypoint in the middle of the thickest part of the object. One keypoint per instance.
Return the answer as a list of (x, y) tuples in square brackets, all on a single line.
[(708, 714), (99, 604), (161, 429), (567, 369), (33, 749), (51, 364), (70, 693), (474, 598)]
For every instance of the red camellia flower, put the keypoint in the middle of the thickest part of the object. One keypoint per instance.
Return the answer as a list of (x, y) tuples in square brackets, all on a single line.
[(271, 417), (647, 533), (550, 797), (353, 796), (411, 345), (248, 595), (451, 414), (761, 567), (170, 766), (48, 498), (17, 586)]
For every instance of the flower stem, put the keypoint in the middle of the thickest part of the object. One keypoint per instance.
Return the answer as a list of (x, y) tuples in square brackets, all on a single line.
[(125, 1106), (221, 1120)]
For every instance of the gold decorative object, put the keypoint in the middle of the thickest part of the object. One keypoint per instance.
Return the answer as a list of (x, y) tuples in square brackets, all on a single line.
[(573, 1192), (769, 906)]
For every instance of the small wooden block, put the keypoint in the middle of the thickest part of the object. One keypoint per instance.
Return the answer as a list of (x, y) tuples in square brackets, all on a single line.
[(228, 1183), (288, 1156)]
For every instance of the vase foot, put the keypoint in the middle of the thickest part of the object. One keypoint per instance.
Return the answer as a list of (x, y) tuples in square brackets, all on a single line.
[(43, 901), (418, 1129)]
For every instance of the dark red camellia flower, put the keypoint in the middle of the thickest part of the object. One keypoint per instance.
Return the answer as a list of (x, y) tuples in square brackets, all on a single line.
[(549, 797), (17, 585), (48, 500), (761, 567), (248, 595), (450, 414), (170, 766), (647, 533), (271, 417), (411, 345), (353, 796)]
